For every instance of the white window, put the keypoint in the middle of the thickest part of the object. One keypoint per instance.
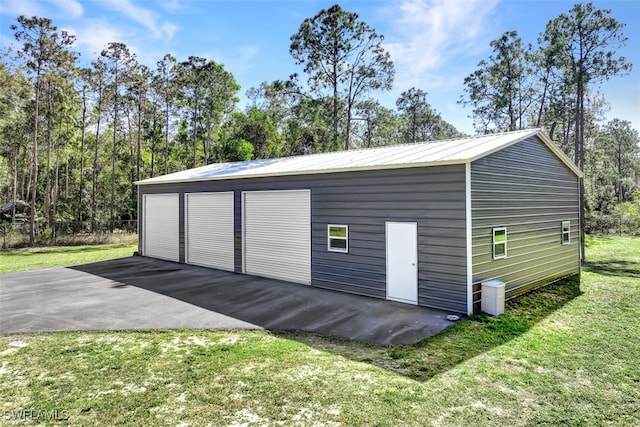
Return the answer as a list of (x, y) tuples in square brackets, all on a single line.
[(566, 232), (499, 242), (338, 238)]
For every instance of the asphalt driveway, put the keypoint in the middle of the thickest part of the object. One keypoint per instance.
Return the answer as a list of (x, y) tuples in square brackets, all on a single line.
[(142, 293)]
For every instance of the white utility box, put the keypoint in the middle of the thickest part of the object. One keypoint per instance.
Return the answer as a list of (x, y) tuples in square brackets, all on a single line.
[(493, 297)]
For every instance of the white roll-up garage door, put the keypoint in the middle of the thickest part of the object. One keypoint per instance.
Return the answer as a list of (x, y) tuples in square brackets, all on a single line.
[(209, 229), (161, 227), (277, 234)]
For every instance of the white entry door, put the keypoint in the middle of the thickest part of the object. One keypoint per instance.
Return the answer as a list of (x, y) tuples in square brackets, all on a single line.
[(402, 261)]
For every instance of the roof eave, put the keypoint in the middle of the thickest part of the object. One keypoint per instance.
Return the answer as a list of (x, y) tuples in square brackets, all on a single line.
[(312, 172), (558, 152), (545, 139)]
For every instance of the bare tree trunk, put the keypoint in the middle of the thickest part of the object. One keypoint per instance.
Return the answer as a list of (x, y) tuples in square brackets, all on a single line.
[(56, 186), (134, 195), (29, 189), (195, 129), (620, 193), (579, 158), (414, 125), (82, 134), (34, 172), (543, 98), (153, 143), (66, 172), (132, 171), (23, 184), (94, 205), (138, 158), (14, 194), (512, 118), (335, 117), (166, 137), (520, 112), (114, 153), (348, 130), (334, 77), (47, 188), (205, 141), (552, 130)]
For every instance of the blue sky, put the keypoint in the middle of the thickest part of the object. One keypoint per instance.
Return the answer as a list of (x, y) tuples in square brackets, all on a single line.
[(435, 44)]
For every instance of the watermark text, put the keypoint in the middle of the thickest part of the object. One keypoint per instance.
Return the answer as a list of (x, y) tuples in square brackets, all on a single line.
[(33, 414)]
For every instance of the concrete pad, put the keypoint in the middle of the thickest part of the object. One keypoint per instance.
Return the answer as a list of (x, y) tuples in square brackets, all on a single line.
[(64, 299), (142, 293)]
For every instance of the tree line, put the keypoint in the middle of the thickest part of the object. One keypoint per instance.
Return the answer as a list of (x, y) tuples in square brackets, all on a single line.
[(553, 84), (75, 136)]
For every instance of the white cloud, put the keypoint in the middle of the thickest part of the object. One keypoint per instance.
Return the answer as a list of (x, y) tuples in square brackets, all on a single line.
[(433, 33), (143, 16), (169, 29), (171, 5), (29, 8), (70, 8), (93, 35), (50, 8), (21, 7), (435, 44)]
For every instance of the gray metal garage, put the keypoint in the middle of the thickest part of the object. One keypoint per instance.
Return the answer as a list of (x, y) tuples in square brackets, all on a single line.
[(420, 223)]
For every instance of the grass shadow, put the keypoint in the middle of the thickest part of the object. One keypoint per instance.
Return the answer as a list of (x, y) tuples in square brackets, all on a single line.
[(28, 253), (257, 301), (618, 268), (463, 341)]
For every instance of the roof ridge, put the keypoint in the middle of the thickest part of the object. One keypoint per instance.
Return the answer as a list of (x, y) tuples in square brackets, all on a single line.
[(405, 144), (425, 153)]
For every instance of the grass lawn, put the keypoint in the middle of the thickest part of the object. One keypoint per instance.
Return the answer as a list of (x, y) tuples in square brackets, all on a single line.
[(568, 354), (28, 259)]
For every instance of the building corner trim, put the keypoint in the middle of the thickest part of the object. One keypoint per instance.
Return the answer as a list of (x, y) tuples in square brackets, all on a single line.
[(469, 237)]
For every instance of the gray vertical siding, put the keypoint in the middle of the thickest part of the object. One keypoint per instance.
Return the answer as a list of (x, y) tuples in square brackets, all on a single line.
[(527, 189), (433, 197)]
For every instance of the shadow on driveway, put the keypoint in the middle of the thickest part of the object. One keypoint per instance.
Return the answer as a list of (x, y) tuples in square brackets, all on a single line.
[(272, 304), (145, 293)]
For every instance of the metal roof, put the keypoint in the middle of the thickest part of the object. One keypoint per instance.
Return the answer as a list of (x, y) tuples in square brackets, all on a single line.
[(433, 153)]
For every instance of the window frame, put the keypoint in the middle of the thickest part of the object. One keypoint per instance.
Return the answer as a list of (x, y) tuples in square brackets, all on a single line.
[(331, 238), (566, 233), (494, 243)]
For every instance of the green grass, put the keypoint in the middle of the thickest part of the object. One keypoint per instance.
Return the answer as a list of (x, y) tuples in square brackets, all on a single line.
[(29, 259), (567, 354)]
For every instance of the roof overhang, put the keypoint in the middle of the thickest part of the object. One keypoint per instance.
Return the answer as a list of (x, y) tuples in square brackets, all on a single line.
[(310, 172), (542, 136)]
